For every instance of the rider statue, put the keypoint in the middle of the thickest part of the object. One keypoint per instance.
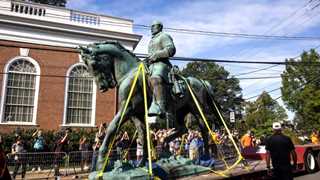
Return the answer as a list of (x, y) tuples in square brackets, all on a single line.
[(160, 48)]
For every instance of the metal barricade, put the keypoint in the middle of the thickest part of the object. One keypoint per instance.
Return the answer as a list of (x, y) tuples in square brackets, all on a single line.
[(37, 165), (80, 161)]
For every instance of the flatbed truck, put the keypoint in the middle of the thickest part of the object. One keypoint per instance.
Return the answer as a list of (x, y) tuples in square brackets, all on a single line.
[(308, 161)]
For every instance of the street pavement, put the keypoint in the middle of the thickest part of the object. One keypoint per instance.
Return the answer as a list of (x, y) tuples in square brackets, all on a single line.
[(314, 176)]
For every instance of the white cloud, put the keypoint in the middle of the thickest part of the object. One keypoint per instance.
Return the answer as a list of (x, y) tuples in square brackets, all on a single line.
[(246, 16), (87, 5)]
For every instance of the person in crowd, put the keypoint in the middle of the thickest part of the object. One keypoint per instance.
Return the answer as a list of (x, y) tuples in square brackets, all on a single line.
[(262, 141), (171, 146), (154, 153), (4, 173), (38, 147), (61, 146), (18, 150), (176, 146), (162, 148), (160, 135), (97, 143), (118, 146), (187, 144), (125, 142), (279, 147), (214, 141), (196, 146), (139, 152), (315, 137), (247, 140), (84, 148)]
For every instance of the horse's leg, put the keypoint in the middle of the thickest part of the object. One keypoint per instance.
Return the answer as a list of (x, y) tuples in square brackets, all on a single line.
[(110, 133), (205, 136), (139, 124)]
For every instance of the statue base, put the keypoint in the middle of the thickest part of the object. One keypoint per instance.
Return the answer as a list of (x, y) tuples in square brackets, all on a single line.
[(122, 171), (176, 167), (167, 168)]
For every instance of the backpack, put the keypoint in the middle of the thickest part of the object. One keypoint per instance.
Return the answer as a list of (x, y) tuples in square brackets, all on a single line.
[(39, 144)]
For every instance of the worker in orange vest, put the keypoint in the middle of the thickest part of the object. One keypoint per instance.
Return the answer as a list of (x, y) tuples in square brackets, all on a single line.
[(247, 140), (315, 137)]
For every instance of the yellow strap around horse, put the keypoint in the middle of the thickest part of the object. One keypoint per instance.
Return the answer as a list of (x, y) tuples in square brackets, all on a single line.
[(146, 117), (211, 133), (140, 69)]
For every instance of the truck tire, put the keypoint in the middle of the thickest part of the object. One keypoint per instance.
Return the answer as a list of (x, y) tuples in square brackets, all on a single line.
[(318, 159), (310, 161)]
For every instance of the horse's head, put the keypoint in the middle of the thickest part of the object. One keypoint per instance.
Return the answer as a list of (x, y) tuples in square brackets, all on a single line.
[(100, 66), (108, 62)]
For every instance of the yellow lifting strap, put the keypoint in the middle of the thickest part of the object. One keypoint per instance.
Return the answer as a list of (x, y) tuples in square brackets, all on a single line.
[(182, 143), (141, 69), (146, 117), (209, 129)]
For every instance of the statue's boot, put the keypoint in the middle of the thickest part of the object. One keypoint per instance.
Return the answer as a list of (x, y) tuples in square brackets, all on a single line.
[(158, 106)]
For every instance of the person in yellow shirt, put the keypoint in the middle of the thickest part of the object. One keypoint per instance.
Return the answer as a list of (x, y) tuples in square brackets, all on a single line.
[(247, 140), (315, 137)]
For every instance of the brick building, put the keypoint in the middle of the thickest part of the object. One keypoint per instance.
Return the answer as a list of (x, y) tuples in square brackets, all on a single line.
[(43, 80)]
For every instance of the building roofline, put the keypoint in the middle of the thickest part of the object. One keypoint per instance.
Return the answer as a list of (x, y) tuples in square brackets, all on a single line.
[(69, 28), (65, 8)]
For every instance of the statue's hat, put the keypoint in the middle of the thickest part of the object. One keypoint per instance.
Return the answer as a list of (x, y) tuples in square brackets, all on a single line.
[(156, 22)]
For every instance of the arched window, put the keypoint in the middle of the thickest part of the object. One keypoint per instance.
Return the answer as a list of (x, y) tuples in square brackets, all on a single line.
[(80, 97), (21, 87)]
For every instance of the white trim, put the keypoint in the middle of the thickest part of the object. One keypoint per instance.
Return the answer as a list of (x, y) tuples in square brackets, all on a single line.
[(36, 94), (24, 52), (60, 35), (18, 123), (80, 59), (94, 93)]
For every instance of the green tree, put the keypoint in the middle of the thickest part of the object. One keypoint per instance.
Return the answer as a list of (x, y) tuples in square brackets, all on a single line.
[(301, 89), (260, 114), (227, 91)]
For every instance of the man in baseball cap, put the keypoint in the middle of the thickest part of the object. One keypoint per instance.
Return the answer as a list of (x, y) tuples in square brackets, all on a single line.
[(280, 147), (276, 126)]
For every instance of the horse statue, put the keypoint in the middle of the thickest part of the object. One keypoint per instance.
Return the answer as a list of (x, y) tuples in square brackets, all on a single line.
[(112, 66)]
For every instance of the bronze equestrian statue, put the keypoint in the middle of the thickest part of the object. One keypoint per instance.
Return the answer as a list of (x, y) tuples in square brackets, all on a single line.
[(114, 66)]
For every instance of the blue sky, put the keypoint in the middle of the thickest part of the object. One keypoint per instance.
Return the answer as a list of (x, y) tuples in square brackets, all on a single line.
[(268, 17)]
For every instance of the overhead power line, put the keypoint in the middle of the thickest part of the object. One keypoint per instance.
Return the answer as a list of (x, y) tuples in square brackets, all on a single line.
[(232, 35), (237, 61), (291, 15), (302, 85), (275, 27), (222, 79), (202, 32), (269, 67), (260, 94), (258, 70)]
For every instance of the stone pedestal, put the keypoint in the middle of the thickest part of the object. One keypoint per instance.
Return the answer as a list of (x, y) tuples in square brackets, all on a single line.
[(169, 168)]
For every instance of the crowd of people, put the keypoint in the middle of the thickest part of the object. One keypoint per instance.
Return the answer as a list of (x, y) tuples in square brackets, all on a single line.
[(190, 145)]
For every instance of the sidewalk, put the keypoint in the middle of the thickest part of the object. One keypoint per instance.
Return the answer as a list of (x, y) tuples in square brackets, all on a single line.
[(49, 174)]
